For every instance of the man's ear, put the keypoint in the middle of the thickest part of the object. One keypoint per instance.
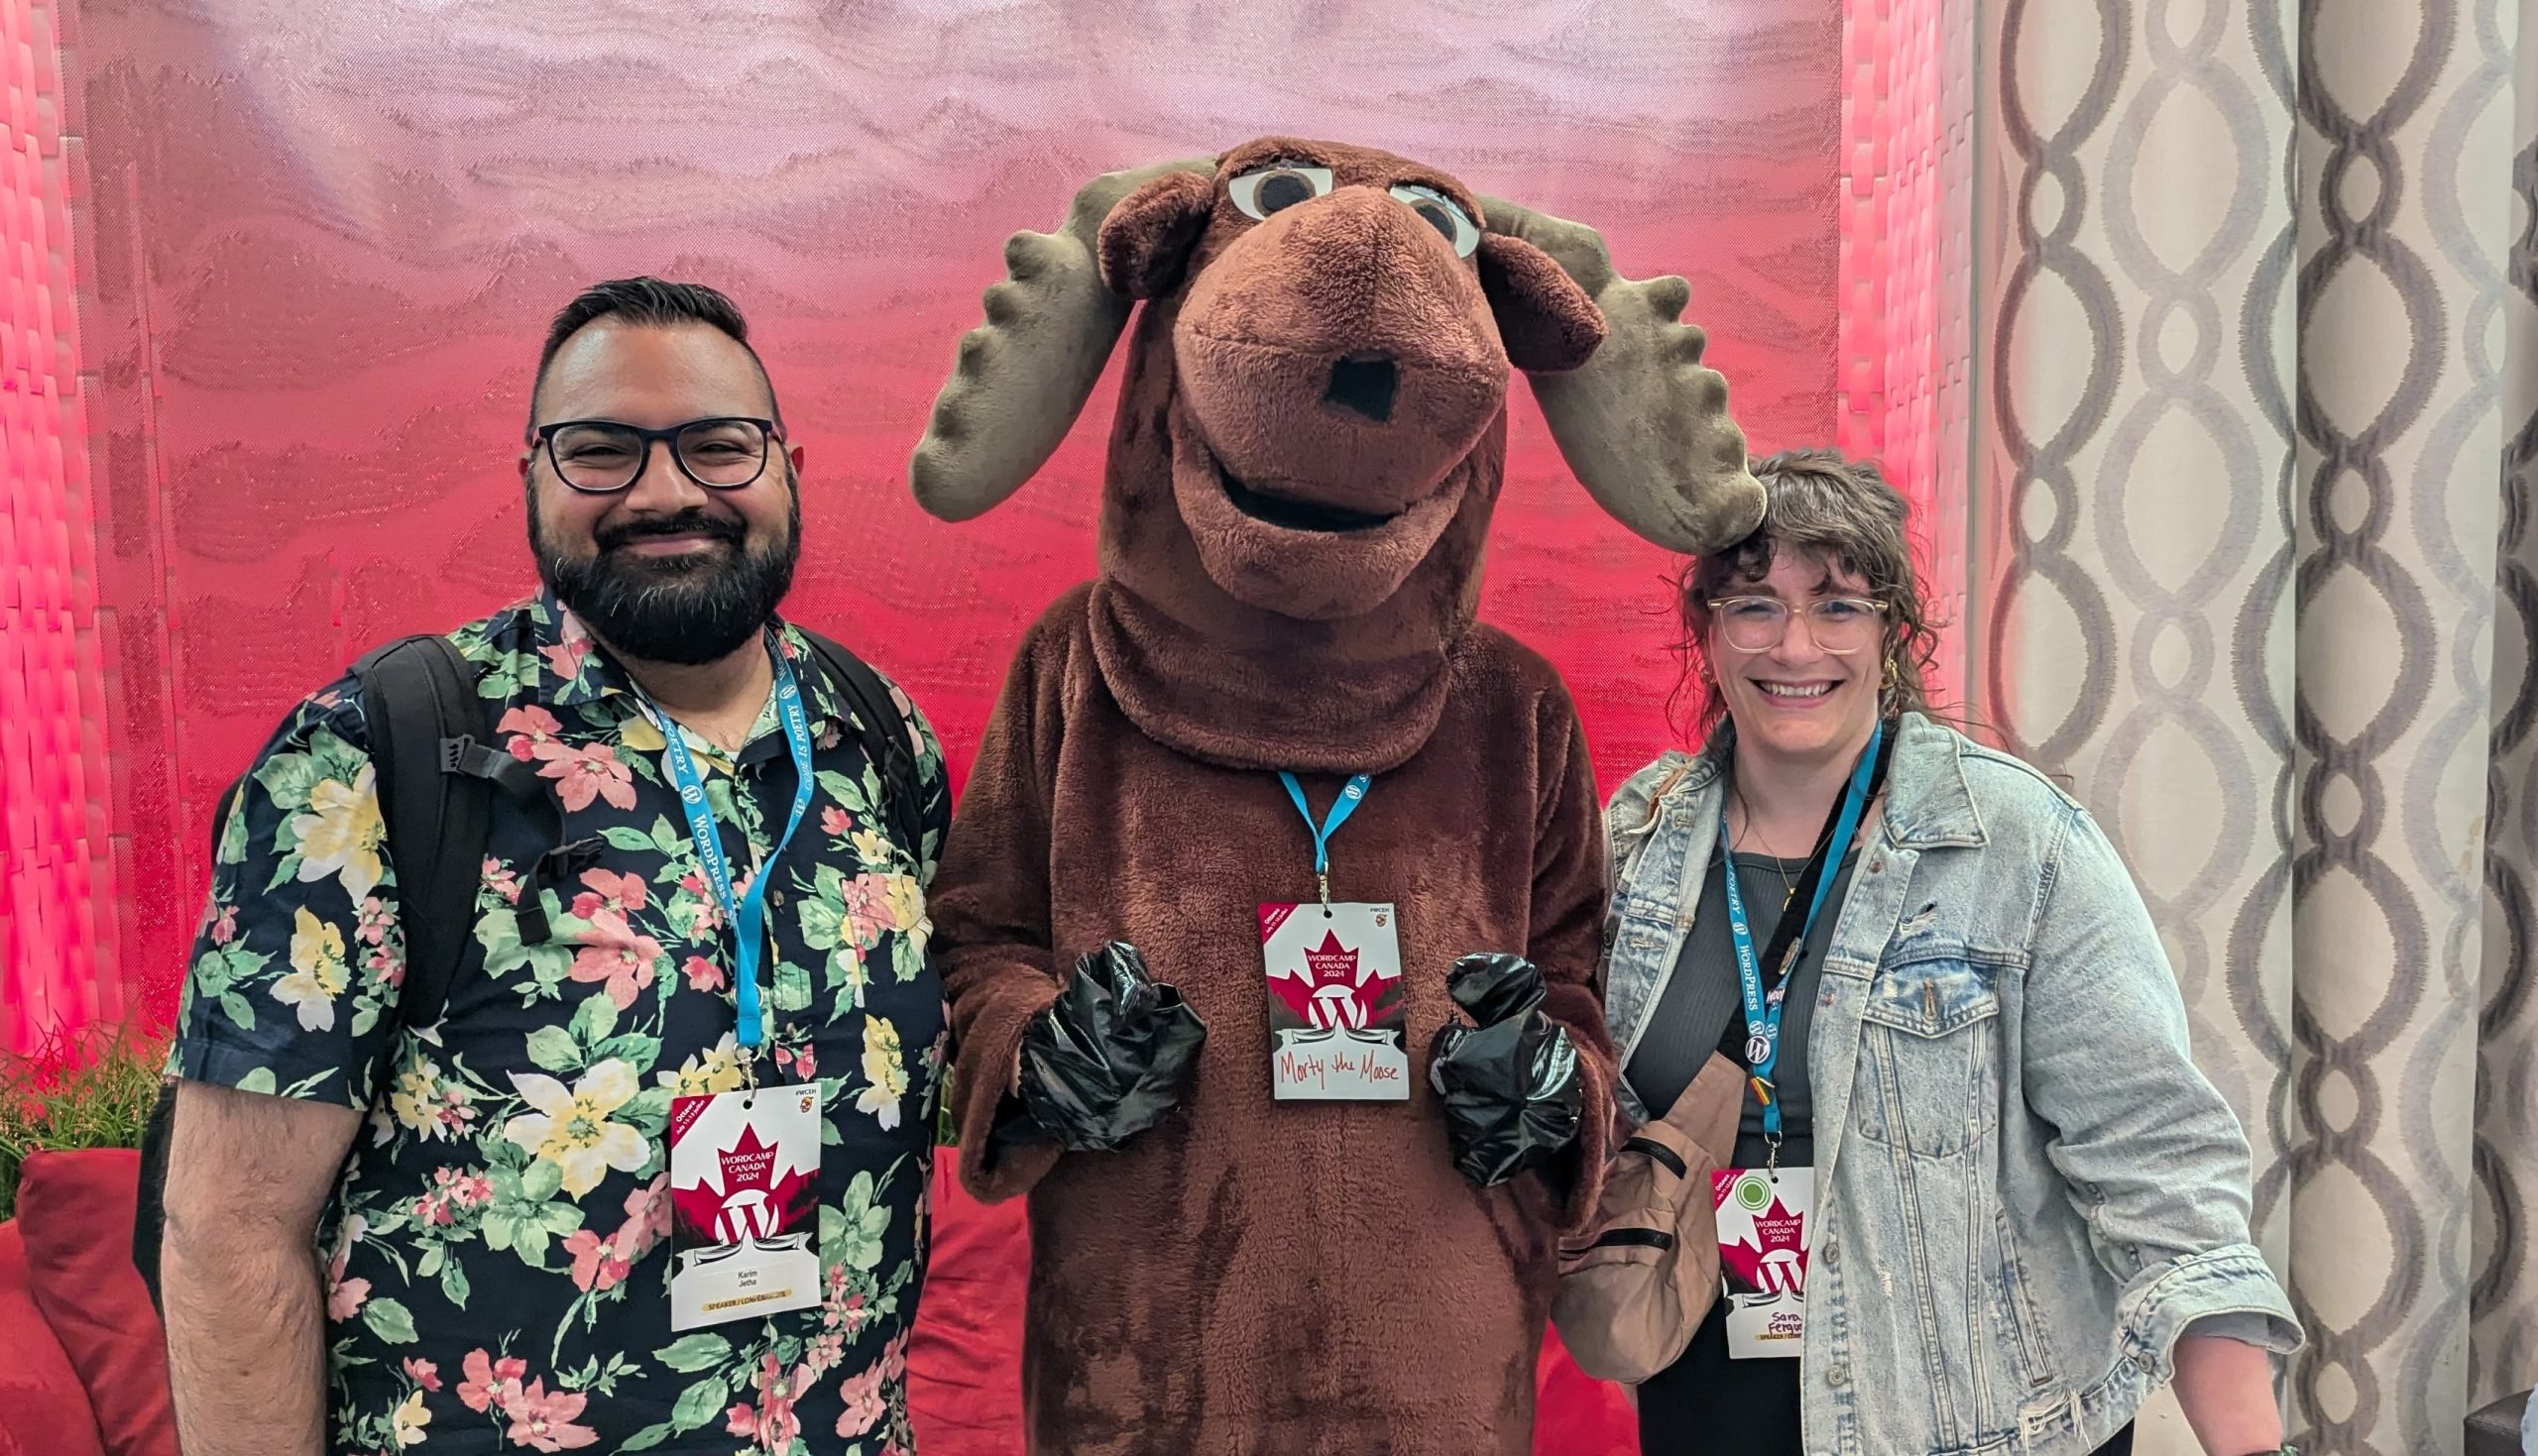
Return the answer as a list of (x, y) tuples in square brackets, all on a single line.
[(1549, 323), (1147, 238), (528, 459), (795, 455)]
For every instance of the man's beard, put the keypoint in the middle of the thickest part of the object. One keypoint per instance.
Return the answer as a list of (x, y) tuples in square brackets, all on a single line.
[(693, 608)]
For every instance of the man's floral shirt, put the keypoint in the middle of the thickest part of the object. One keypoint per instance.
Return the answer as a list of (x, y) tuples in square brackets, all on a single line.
[(497, 1253)]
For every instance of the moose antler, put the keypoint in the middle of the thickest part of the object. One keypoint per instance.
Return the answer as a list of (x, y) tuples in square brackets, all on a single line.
[(1644, 423), (1022, 377)]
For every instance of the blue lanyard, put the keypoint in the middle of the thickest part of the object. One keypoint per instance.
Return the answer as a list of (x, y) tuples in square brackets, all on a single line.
[(1763, 1012), (1350, 798), (747, 918)]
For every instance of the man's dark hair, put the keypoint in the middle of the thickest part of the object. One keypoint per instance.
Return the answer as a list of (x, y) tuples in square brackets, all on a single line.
[(648, 303)]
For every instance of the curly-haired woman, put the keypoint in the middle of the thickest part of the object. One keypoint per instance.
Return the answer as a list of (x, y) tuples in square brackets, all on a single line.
[(1963, 1048)]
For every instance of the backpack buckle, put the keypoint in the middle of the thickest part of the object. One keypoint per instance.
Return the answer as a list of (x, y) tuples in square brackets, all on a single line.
[(463, 754), (455, 755)]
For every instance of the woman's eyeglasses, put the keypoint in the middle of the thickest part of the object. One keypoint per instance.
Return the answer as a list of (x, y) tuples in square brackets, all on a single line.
[(1838, 625)]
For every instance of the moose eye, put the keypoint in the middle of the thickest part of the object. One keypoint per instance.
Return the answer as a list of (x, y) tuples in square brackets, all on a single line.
[(1267, 189), (1442, 214)]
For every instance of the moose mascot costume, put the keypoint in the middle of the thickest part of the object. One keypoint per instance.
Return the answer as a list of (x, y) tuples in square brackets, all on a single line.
[(1269, 775)]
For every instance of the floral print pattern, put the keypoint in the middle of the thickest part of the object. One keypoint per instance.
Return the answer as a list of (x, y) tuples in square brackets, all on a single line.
[(497, 1257)]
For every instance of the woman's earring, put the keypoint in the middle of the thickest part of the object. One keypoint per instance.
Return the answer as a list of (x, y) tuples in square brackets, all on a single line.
[(1888, 691)]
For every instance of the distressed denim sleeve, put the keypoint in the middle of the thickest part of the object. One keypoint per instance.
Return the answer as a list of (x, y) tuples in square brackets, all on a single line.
[(2155, 1159), (1626, 821)]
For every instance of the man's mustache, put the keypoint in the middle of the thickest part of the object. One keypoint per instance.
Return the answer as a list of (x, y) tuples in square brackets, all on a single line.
[(689, 522)]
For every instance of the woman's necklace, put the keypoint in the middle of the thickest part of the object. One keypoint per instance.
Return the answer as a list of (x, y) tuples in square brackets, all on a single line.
[(1779, 862)]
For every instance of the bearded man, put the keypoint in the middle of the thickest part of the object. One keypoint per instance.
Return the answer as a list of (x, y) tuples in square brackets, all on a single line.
[(652, 1174)]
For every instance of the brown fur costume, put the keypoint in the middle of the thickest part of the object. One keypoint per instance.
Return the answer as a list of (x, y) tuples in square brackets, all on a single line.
[(1308, 445)]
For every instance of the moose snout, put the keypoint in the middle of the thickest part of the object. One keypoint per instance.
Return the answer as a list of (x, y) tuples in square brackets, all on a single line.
[(1363, 384), (1340, 353)]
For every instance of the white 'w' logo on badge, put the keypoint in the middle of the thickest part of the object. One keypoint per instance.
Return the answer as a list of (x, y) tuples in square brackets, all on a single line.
[(747, 1214)]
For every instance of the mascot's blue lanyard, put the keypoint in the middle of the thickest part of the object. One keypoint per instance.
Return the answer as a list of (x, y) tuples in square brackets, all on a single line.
[(1350, 798), (746, 914), (1763, 1010)]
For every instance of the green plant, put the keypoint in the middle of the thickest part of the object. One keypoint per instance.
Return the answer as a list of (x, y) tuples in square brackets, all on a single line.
[(87, 1089)]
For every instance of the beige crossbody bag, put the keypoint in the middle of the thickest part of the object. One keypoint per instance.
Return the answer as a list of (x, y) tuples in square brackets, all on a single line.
[(1641, 1277)]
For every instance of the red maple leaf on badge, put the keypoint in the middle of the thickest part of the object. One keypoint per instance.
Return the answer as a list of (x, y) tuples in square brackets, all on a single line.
[(756, 1202), (1331, 995), (1773, 1260)]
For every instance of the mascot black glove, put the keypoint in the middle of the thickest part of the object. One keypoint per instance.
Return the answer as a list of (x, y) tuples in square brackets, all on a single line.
[(1511, 1083), (1113, 1053)]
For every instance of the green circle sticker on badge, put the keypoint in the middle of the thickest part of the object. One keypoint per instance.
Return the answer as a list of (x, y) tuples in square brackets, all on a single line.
[(1754, 1192)]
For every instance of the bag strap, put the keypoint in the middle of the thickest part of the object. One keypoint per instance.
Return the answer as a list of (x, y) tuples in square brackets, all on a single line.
[(883, 736), (1709, 1110), (419, 703)]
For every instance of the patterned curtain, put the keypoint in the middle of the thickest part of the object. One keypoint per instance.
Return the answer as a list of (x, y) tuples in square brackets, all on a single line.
[(2257, 421)]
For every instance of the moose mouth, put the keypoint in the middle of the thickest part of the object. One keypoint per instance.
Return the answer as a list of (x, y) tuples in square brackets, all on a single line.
[(1298, 516)]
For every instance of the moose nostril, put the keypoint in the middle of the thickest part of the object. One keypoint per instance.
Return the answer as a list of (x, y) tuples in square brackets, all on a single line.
[(1363, 382)]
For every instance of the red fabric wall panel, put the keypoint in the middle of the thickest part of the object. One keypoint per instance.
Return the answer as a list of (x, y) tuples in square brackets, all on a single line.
[(325, 244)]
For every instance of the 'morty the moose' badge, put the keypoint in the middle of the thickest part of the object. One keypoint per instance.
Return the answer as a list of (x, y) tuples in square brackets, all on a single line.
[(745, 1173), (1335, 1013)]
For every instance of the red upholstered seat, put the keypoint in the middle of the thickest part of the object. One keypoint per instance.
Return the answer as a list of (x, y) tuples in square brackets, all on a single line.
[(43, 1408), (75, 1213)]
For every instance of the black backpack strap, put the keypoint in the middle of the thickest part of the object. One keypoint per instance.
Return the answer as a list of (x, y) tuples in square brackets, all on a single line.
[(885, 739), (416, 691), (435, 777), (419, 703)]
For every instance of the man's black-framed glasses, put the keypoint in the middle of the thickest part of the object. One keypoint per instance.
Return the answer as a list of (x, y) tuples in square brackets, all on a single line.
[(601, 457)]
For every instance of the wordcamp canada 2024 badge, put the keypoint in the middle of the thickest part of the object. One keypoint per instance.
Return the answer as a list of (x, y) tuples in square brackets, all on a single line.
[(1762, 1254), (745, 1173), (1337, 1028)]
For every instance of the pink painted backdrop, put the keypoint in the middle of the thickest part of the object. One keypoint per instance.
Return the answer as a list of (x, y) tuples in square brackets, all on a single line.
[(56, 870), (1905, 328), (322, 240)]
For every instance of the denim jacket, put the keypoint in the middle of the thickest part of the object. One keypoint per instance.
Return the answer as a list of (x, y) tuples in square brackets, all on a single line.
[(2026, 1192)]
